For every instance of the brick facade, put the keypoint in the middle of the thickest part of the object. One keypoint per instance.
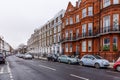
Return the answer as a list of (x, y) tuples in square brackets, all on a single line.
[(92, 27)]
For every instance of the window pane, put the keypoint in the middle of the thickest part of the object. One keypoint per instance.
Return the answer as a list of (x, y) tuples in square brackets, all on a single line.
[(115, 1)]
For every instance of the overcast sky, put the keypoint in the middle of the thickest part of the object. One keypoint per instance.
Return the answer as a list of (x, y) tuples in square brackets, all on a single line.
[(19, 18)]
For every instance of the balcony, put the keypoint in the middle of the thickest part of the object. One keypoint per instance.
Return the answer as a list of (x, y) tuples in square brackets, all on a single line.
[(109, 29), (91, 34)]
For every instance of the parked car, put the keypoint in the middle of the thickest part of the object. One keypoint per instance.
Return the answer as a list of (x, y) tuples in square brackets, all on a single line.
[(68, 59), (53, 57), (21, 55), (2, 58), (117, 65), (27, 56), (94, 60)]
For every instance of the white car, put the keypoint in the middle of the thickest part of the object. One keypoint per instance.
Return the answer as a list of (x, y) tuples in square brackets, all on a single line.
[(94, 60), (27, 56)]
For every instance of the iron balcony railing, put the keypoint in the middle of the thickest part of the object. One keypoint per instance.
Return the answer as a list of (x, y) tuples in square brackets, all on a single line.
[(91, 34), (109, 29)]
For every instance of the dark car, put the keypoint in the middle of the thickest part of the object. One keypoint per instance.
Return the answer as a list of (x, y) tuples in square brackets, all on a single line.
[(2, 58), (52, 57)]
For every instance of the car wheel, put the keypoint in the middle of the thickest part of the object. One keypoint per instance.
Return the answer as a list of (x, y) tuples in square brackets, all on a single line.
[(97, 65), (81, 63), (69, 62), (118, 68)]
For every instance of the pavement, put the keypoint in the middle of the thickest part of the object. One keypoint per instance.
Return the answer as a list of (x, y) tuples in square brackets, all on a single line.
[(20, 69)]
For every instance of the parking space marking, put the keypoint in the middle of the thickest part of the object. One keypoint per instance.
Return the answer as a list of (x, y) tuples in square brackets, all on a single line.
[(78, 77), (47, 67)]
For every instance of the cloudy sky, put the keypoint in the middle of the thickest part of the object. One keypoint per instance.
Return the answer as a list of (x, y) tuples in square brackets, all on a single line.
[(19, 18)]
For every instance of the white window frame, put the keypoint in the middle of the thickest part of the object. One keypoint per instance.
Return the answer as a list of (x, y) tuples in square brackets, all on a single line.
[(71, 47), (115, 1), (90, 28), (84, 29), (90, 11), (106, 3), (84, 13), (106, 23), (115, 21), (83, 46), (77, 18), (90, 46), (71, 20), (66, 47), (108, 44), (67, 21)]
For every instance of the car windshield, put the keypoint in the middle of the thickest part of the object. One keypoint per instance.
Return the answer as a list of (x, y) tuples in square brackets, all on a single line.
[(98, 57)]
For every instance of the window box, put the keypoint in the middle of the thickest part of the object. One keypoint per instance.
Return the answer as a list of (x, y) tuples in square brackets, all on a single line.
[(106, 48)]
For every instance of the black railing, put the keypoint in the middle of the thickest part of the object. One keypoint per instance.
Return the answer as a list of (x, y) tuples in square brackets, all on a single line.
[(109, 29), (90, 33)]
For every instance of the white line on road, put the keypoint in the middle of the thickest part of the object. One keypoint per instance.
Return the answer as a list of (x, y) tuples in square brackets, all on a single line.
[(1, 72), (78, 77), (9, 71), (47, 67)]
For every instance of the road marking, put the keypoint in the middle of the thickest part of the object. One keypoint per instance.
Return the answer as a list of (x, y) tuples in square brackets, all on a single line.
[(78, 77), (47, 67), (1, 72), (9, 71)]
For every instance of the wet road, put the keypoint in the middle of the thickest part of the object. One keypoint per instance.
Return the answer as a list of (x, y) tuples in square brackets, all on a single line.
[(20, 69)]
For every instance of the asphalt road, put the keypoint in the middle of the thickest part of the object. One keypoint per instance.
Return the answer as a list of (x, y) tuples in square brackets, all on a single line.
[(20, 69)]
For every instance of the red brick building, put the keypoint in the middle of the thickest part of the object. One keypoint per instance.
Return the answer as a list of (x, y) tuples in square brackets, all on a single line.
[(92, 27)]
